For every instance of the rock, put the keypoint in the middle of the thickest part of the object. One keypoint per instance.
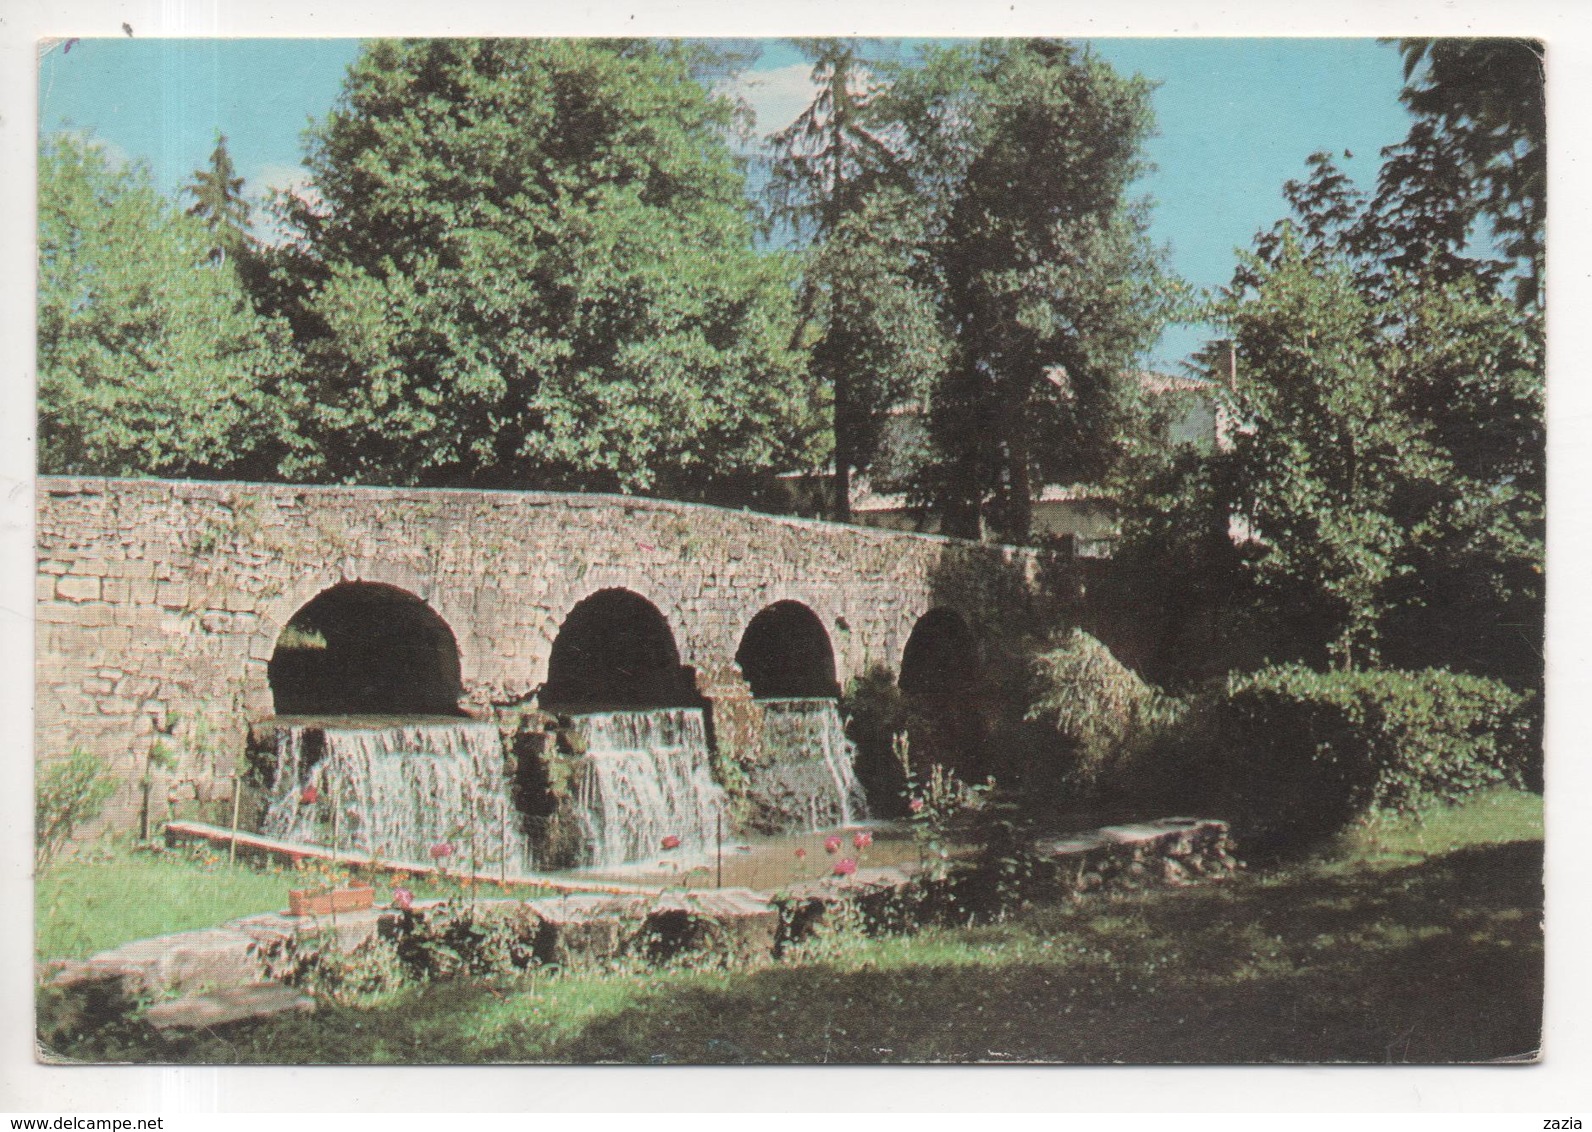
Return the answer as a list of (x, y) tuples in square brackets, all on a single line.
[(350, 930), (578, 929), (188, 961), (228, 1007), (880, 895), (737, 922)]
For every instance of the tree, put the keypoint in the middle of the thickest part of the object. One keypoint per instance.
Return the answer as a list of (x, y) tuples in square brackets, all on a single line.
[(1393, 461), (218, 201), (1476, 150), (837, 181), (530, 264), (1049, 287), (151, 359)]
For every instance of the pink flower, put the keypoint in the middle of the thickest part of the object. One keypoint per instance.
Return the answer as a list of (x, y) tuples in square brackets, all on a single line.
[(862, 839), (440, 850), (832, 843), (671, 842), (403, 898), (916, 805), (307, 798), (801, 854), (845, 867)]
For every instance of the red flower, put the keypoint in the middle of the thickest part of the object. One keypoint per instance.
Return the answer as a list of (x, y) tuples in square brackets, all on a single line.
[(801, 854), (671, 842), (845, 867), (916, 805), (307, 798), (832, 843), (403, 898), (440, 850), (863, 839)]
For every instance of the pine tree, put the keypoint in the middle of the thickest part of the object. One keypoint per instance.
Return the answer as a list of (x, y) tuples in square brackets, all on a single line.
[(218, 201)]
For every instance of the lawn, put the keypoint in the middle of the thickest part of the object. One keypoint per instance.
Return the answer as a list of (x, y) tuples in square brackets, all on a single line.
[(1408, 942), (109, 896)]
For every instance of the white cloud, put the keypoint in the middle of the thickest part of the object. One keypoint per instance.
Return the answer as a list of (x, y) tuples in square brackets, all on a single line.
[(115, 156), (777, 95), (292, 178), (265, 180)]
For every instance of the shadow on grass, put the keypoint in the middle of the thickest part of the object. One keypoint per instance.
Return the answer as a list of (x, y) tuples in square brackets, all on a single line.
[(1434, 962)]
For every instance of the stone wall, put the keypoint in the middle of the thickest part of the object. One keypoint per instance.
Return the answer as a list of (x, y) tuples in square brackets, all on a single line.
[(159, 603)]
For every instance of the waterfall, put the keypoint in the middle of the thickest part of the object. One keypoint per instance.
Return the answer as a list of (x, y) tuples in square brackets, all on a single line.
[(402, 789), (808, 771), (645, 777)]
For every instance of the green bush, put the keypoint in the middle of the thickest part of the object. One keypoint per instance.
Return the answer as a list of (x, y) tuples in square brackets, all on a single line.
[(1107, 714), (70, 793), (1291, 754)]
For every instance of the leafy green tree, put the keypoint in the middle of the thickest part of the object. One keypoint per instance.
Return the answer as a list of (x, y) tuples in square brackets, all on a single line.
[(151, 359), (531, 264), (1392, 459), (219, 202), (874, 341), (1050, 289), (1477, 149)]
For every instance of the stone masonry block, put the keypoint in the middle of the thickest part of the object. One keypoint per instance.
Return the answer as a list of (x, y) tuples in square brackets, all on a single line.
[(73, 587), (585, 928), (189, 961)]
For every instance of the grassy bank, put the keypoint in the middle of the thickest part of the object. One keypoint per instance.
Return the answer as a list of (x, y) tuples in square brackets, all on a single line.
[(1410, 942), (105, 897)]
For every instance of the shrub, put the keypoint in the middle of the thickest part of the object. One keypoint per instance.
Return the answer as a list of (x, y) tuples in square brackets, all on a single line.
[(1101, 707), (71, 792), (1293, 754)]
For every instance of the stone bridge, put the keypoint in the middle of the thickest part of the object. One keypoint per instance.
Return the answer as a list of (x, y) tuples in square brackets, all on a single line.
[(185, 613)]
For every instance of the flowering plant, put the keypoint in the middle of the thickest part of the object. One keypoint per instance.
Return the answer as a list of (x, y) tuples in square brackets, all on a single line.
[(933, 806)]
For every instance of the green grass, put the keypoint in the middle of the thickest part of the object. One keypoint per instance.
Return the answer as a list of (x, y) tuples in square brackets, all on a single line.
[(103, 898), (1411, 943)]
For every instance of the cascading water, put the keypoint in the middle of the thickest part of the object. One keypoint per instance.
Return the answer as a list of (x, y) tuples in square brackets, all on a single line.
[(645, 778), (401, 790), (808, 770)]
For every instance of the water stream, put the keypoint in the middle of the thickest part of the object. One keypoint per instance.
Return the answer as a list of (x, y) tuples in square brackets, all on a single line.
[(399, 790), (646, 780), (808, 769)]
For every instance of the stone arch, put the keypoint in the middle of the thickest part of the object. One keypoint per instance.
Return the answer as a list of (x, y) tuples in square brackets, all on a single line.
[(615, 649), (941, 655), (785, 653), (365, 648)]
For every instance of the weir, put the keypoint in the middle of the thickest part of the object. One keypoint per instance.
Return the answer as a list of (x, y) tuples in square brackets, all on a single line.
[(645, 778), (399, 789), (809, 766)]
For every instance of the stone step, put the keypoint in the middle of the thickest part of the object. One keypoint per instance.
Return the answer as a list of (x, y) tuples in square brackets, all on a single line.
[(228, 1007), (184, 962), (572, 930)]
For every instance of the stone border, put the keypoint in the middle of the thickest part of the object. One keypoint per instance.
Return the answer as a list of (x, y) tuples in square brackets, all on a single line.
[(222, 976)]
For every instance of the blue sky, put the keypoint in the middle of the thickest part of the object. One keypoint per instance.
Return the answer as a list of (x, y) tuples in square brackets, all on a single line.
[(1236, 118)]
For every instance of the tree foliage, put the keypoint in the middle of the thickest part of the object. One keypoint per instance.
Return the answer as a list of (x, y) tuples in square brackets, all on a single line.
[(1393, 462), (1024, 151), (530, 264), (1477, 149), (870, 321), (151, 359), (219, 202)]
